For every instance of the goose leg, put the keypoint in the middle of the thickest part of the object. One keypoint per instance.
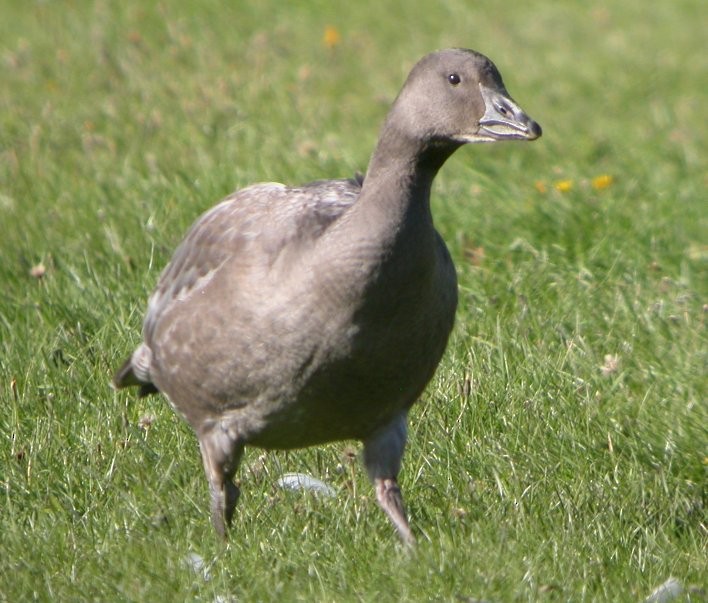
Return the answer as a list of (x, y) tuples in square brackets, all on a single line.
[(221, 453), (382, 457)]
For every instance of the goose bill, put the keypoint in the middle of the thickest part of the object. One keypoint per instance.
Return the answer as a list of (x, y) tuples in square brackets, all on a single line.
[(503, 119)]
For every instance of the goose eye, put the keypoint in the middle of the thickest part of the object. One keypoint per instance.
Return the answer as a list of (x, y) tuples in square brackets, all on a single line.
[(454, 79)]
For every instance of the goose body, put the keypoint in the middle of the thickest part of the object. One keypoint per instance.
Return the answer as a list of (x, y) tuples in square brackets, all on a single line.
[(293, 316)]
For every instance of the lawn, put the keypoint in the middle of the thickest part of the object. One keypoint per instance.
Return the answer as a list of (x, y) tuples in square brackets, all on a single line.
[(561, 451)]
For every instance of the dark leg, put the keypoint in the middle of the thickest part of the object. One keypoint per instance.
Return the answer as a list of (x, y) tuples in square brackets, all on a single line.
[(391, 501), (382, 457), (221, 454)]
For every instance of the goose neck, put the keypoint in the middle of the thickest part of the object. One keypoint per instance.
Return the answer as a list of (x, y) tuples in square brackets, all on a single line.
[(406, 165)]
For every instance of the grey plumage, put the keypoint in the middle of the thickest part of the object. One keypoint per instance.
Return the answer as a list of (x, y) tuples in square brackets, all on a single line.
[(290, 317)]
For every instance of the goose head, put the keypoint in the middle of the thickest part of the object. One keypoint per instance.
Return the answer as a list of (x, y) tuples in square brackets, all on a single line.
[(457, 96)]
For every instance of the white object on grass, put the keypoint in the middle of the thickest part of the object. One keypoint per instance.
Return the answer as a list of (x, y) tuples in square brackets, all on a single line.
[(668, 591), (302, 481)]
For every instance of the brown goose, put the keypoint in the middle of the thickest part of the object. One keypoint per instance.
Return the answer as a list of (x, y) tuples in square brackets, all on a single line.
[(290, 317)]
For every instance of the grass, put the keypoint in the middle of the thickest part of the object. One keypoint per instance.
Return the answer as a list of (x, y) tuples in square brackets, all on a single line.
[(561, 451)]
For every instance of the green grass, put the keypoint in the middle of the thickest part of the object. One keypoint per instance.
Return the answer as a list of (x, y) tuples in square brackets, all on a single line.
[(531, 474)]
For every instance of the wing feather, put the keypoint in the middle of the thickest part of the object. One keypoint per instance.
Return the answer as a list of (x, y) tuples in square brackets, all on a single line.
[(252, 226)]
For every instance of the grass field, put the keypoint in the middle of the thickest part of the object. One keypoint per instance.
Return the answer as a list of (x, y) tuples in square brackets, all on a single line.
[(560, 453)]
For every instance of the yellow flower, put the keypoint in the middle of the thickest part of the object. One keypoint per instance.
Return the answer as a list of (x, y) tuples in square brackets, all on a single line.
[(602, 181), (331, 37), (563, 186)]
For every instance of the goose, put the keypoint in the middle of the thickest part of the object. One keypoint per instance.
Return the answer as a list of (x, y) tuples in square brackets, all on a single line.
[(294, 316)]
